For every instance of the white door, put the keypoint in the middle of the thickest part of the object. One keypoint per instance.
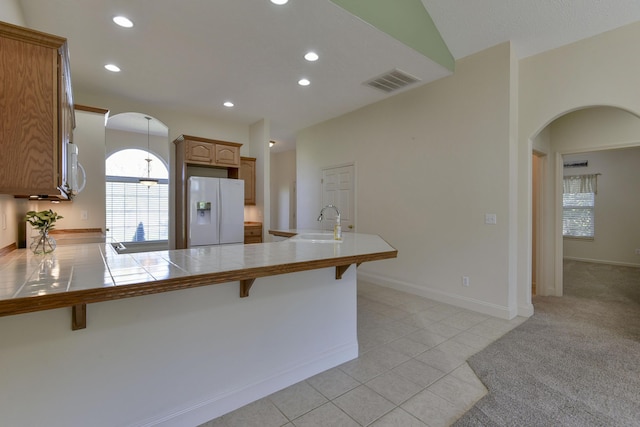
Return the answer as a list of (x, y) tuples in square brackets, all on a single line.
[(338, 189)]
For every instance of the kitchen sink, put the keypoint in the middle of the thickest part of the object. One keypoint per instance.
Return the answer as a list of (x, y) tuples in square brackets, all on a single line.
[(315, 238), (135, 247)]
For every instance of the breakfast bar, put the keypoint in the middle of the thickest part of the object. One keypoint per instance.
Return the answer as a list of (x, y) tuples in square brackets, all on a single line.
[(77, 275), (173, 337)]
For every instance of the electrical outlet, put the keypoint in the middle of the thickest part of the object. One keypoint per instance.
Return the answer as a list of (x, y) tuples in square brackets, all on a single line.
[(84, 215), (465, 281), (637, 251), (490, 218)]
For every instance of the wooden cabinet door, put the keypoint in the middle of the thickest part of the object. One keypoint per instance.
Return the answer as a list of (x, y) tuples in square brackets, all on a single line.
[(227, 155), (200, 152), (252, 233), (29, 124), (248, 174)]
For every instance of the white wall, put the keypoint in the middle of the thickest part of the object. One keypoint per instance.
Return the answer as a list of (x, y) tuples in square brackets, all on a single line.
[(283, 177), (10, 218), (11, 12), (117, 140), (258, 147), (430, 162), (594, 128)]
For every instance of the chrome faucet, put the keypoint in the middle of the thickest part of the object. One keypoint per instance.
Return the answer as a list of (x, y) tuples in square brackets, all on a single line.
[(321, 216), (337, 229)]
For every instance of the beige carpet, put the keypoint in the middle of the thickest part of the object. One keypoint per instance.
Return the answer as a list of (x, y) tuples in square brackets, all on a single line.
[(575, 362)]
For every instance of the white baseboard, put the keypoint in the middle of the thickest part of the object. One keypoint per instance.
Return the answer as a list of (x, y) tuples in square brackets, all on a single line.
[(525, 311), (599, 261), (215, 406), (483, 307)]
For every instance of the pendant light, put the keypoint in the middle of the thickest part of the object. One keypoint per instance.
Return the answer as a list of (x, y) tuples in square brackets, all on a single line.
[(148, 181)]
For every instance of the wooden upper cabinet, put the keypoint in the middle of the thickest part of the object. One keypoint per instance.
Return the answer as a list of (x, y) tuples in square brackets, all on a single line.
[(37, 117), (199, 152), (227, 155), (248, 174), (203, 151)]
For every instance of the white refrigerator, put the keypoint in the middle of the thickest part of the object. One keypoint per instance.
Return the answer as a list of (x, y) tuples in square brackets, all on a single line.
[(216, 211)]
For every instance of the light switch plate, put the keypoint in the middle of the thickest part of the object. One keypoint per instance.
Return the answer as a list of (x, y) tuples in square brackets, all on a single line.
[(490, 218)]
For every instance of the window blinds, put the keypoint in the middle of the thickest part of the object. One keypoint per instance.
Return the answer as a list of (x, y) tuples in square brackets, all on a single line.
[(136, 212), (578, 203)]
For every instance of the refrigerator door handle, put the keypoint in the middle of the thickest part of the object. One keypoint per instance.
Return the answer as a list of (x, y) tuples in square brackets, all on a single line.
[(220, 213)]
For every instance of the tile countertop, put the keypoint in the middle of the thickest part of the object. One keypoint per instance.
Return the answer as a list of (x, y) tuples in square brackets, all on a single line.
[(85, 273)]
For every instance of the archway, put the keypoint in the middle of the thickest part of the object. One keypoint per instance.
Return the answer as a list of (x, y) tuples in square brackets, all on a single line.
[(583, 130), (137, 149)]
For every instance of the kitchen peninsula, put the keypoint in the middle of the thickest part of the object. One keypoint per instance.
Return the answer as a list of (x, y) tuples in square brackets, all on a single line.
[(172, 358)]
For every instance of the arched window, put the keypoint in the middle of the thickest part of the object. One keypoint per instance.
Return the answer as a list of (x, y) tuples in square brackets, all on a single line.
[(136, 212)]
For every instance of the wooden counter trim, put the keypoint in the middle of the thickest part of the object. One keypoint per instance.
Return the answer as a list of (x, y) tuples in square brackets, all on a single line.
[(78, 317), (341, 269), (281, 233), (7, 249), (79, 107), (75, 230), (245, 286), (246, 277)]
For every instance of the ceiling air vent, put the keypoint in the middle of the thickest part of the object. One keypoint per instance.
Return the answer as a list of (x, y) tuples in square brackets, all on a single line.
[(392, 81)]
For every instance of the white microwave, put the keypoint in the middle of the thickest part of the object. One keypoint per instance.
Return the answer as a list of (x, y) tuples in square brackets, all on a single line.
[(76, 177)]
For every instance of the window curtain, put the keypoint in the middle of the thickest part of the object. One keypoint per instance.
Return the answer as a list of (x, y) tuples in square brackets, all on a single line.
[(580, 184)]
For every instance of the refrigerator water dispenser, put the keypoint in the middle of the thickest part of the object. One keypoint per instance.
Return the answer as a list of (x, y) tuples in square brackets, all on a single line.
[(203, 212)]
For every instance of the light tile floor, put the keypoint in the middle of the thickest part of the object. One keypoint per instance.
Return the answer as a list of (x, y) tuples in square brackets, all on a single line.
[(411, 371)]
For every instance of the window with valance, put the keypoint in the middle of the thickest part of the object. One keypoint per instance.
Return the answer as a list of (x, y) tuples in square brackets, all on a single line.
[(578, 205)]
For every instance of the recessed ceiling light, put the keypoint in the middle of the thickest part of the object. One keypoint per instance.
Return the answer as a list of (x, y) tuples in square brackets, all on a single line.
[(279, 2), (123, 21), (112, 67), (228, 104), (304, 82), (311, 56)]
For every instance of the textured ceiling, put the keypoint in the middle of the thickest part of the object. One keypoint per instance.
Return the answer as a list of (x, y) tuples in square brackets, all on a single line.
[(194, 54)]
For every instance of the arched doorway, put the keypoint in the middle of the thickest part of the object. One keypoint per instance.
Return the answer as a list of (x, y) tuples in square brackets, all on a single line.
[(589, 129), (137, 149)]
